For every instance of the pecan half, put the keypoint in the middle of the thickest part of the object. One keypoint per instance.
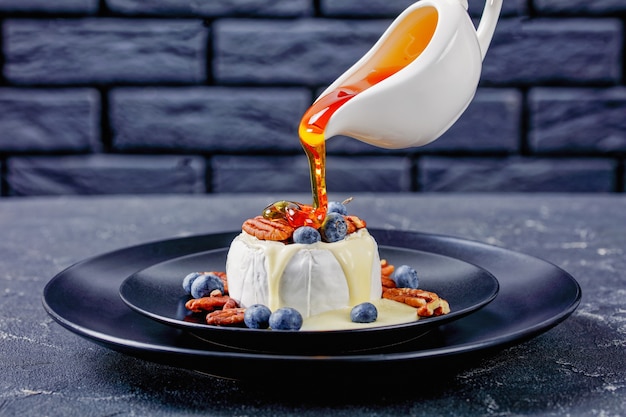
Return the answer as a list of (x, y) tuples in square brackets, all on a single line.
[(386, 270), (198, 305), (354, 223), (410, 296), (227, 317), (436, 307), (266, 229), (428, 303), (387, 282)]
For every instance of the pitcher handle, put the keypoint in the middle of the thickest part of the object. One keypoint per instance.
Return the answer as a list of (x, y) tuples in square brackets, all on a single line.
[(487, 24)]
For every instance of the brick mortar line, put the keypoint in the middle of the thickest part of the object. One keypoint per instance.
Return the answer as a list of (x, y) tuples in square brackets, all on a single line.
[(210, 53), (95, 85), (3, 80), (530, 7), (623, 51), (201, 84), (118, 15), (288, 86), (103, 8), (414, 184), (106, 134), (620, 172), (524, 124), (107, 15), (190, 17), (317, 8), (411, 155), (4, 184), (208, 174)]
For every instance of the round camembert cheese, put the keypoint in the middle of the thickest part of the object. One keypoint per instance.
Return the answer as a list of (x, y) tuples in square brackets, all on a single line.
[(312, 278)]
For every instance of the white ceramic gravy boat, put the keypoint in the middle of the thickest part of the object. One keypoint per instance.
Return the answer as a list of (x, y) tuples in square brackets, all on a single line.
[(419, 102)]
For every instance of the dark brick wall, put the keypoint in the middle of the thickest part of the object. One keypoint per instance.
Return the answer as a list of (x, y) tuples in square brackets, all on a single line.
[(174, 96)]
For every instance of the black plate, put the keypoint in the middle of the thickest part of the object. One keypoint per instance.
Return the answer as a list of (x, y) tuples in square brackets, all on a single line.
[(534, 296), (157, 293)]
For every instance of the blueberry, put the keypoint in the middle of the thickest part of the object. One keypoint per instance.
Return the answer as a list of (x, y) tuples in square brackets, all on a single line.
[(188, 280), (334, 227), (306, 234), (257, 316), (405, 277), (364, 313), (286, 318), (205, 284), (337, 207)]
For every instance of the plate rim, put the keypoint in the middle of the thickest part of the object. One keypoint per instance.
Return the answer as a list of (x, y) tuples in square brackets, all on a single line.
[(138, 348), (424, 322)]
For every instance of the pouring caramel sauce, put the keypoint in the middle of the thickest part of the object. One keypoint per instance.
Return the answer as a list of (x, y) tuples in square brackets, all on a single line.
[(401, 47)]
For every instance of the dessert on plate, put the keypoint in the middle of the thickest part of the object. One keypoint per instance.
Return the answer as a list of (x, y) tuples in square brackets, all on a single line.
[(306, 272), (287, 276)]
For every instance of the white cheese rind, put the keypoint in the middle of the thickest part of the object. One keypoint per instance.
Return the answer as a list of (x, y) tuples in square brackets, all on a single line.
[(311, 278)]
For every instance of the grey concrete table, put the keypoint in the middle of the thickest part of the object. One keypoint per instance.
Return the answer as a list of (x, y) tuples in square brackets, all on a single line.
[(575, 369)]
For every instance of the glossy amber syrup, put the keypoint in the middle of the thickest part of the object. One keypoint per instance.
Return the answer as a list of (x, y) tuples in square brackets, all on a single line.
[(402, 46)]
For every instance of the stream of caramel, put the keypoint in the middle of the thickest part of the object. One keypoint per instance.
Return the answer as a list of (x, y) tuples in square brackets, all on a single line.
[(405, 43)]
